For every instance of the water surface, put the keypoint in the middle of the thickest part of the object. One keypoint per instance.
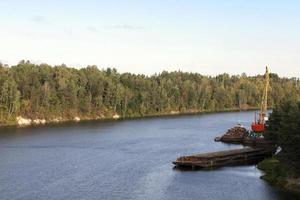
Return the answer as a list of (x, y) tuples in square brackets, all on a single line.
[(129, 159)]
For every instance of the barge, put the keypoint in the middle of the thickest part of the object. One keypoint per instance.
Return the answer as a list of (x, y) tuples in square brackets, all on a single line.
[(246, 155)]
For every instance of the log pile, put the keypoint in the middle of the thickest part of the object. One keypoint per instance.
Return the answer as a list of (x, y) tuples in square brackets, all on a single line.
[(240, 135), (235, 135), (236, 131)]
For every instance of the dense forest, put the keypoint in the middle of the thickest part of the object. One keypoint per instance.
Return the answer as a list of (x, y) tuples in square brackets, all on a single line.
[(283, 129), (44, 91)]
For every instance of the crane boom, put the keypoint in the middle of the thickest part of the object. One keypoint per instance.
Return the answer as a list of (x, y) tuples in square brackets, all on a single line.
[(264, 101), (259, 125)]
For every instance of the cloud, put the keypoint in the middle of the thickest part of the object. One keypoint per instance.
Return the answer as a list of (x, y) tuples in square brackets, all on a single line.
[(91, 29), (40, 20), (128, 27), (49, 27)]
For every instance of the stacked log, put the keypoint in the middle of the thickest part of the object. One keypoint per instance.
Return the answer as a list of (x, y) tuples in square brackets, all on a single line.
[(240, 135), (235, 134), (236, 131)]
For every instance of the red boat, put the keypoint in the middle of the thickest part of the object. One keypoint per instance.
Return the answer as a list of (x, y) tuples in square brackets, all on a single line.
[(257, 128)]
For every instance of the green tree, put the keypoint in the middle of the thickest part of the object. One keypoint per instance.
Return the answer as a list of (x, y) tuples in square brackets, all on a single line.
[(284, 130), (41, 90)]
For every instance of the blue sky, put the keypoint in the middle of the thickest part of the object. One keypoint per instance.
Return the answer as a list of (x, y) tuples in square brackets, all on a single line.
[(209, 37)]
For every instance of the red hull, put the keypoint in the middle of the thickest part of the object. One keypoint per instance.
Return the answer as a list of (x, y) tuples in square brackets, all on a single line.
[(257, 128)]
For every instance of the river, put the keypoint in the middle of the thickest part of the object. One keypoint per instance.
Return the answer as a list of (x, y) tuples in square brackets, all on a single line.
[(125, 159)]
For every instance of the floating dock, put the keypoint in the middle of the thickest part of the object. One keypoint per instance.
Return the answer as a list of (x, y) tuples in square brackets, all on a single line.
[(223, 158)]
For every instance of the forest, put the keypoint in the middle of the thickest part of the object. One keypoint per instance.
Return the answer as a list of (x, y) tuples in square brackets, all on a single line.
[(283, 130), (46, 92)]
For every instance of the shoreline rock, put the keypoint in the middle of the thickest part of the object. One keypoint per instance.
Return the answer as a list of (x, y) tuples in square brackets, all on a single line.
[(39, 121), (174, 112), (23, 121), (76, 119), (116, 116)]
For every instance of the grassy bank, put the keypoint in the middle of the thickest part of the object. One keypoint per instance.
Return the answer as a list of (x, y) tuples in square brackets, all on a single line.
[(279, 174)]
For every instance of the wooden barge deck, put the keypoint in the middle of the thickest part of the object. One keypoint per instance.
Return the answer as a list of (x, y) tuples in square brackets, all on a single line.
[(222, 158)]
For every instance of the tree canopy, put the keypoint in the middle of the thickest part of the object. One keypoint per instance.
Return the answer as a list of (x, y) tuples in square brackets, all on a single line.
[(284, 130), (44, 91)]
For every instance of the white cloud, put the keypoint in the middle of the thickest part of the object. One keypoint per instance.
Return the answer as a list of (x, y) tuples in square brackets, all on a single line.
[(129, 27), (41, 20)]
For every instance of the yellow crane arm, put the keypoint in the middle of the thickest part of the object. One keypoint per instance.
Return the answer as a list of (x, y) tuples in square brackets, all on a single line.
[(264, 101)]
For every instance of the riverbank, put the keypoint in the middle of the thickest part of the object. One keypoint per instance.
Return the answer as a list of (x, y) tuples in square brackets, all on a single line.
[(280, 174), (22, 121)]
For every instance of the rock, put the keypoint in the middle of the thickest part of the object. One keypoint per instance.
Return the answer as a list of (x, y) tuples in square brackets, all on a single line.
[(100, 116), (23, 121), (116, 116), (39, 121), (57, 120), (36, 121), (76, 119)]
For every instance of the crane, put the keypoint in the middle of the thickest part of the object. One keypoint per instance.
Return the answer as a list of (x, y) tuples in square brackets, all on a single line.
[(258, 126)]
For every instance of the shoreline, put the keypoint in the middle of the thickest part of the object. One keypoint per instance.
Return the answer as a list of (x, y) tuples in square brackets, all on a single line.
[(279, 175), (28, 122)]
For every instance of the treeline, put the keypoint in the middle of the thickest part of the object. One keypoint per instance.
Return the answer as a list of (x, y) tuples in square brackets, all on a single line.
[(43, 91), (284, 130)]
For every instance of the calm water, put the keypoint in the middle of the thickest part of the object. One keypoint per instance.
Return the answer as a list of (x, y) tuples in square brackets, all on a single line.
[(128, 159)]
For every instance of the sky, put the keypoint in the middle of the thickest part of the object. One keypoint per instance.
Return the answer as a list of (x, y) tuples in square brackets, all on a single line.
[(146, 37)]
